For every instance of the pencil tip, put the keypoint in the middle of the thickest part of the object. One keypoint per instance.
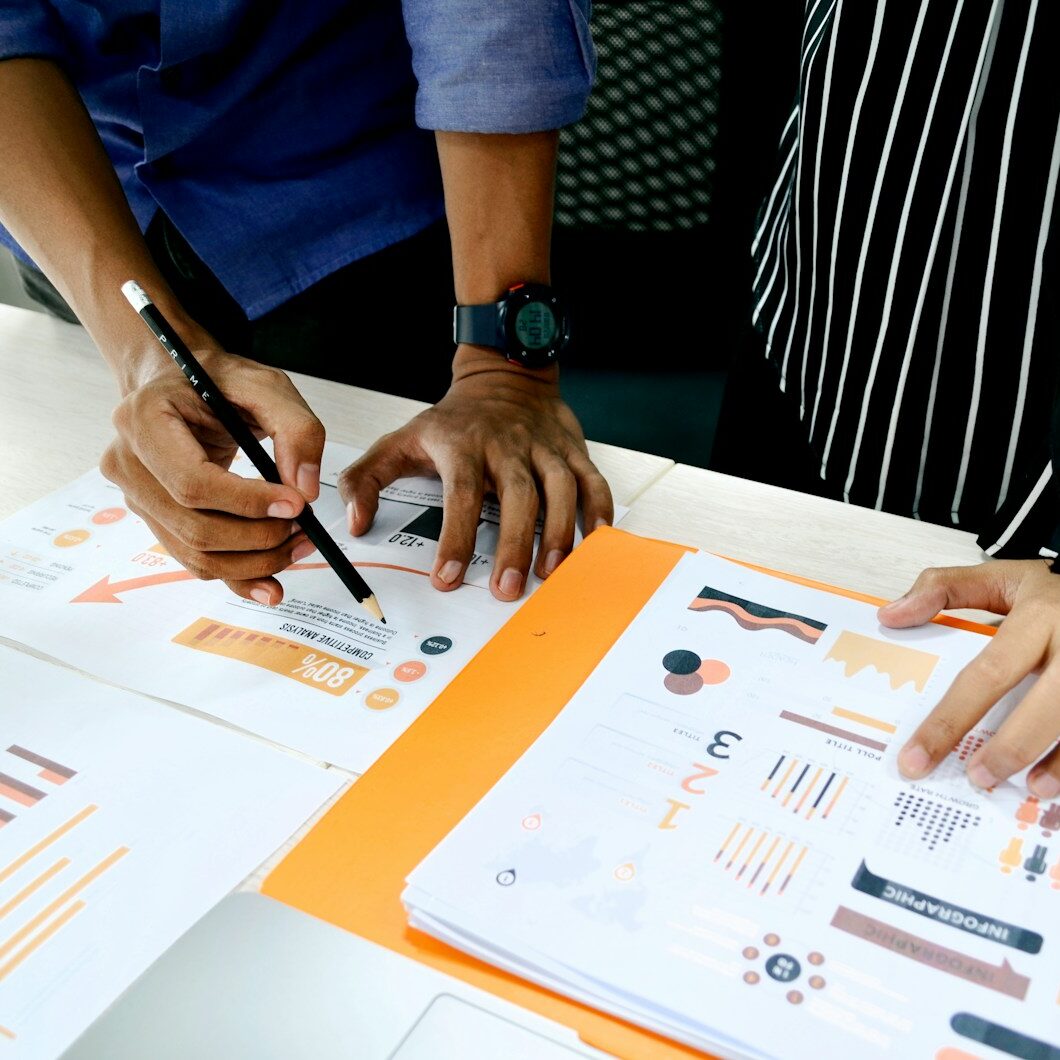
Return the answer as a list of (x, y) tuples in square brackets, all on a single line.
[(371, 605)]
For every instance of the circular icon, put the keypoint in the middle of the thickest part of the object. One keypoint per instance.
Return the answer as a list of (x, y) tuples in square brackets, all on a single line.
[(794, 997), (681, 661), (815, 958), (382, 699), (532, 822), (771, 939), (750, 952), (108, 515), (751, 977), (506, 878), (683, 684), (687, 673), (816, 981), (69, 538), (625, 872), (783, 967), (409, 671), (714, 672), (436, 645)]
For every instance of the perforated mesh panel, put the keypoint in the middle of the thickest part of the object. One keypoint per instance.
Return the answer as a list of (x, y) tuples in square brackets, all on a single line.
[(642, 158)]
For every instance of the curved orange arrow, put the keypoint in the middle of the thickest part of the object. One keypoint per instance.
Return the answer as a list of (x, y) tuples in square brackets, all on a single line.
[(106, 592)]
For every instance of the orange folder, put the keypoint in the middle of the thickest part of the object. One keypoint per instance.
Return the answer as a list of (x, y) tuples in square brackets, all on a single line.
[(351, 868)]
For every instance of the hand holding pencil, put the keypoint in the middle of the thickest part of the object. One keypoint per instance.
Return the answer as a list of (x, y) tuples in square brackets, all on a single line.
[(172, 454)]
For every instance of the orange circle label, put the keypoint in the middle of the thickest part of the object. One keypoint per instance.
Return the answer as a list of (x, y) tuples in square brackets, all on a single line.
[(69, 538), (108, 515), (382, 699), (409, 671)]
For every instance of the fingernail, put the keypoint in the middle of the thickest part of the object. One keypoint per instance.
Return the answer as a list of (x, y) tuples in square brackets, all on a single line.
[(261, 595), (450, 571), (511, 582), (981, 777), (1044, 785), (601, 521), (306, 548), (553, 560), (913, 762), (308, 479), (351, 512), (281, 510)]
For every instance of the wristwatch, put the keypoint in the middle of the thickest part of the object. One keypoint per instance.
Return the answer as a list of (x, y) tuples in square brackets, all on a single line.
[(529, 325)]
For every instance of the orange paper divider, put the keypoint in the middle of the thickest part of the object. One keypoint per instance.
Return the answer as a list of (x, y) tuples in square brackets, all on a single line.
[(351, 868)]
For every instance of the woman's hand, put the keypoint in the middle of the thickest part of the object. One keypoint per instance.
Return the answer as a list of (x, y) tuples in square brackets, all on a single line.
[(1028, 641)]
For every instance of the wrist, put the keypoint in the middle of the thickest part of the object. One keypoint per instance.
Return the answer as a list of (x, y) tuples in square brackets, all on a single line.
[(483, 361), (133, 353)]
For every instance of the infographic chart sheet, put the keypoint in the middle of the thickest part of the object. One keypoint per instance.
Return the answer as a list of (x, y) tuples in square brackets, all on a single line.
[(712, 840), (122, 822), (83, 580)]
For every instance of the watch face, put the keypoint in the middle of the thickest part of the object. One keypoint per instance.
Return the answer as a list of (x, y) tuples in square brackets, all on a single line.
[(535, 324)]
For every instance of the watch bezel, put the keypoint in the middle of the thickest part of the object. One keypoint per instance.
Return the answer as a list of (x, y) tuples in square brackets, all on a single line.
[(515, 299)]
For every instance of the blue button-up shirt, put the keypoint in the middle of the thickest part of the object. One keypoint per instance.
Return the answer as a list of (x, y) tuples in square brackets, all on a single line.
[(285, 140)]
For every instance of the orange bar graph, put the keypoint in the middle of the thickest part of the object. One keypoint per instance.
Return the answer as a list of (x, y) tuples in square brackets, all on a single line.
[(27, 929), (17, 791), (301, 662), (835, 797), (39, 939), (772, 868), (784, 779), (864, 719), (54, 772), (33, 886), (46, 842), (806, 793)]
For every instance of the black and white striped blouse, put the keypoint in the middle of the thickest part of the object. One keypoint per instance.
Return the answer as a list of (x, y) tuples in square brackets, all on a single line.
[(906, 275)]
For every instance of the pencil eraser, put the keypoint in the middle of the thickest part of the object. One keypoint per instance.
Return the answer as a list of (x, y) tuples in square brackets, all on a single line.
[(135, 294)]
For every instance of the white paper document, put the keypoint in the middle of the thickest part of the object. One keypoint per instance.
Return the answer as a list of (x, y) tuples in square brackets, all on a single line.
[(82, 580), (122, 821), (712, 840)]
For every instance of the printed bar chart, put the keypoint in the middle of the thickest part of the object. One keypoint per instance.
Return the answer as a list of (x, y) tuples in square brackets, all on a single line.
[(49, 770), (52, 837), (36, 931), (804, 787), (17, 791), (832, 730), (740, 853), (300, 662), (865, 719)]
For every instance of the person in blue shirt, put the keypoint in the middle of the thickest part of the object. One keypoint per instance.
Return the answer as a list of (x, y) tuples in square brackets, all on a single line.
[(276, 178)]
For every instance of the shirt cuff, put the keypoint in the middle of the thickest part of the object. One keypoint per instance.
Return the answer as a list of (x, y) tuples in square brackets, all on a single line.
[(500, 68)]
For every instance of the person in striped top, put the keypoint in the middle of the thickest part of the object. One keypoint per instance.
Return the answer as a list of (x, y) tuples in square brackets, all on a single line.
[(905, 352)]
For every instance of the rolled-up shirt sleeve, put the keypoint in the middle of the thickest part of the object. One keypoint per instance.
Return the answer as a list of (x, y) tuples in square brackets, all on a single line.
[(500, 66), (29, 29)]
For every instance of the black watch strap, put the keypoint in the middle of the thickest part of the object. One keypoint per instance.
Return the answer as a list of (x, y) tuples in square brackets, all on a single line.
[(478, 325)]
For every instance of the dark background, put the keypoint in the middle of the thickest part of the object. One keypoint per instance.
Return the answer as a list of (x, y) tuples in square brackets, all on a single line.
[(654, 256)]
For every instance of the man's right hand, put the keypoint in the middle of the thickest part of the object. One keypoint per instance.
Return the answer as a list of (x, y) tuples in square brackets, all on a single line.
[(171, 460)]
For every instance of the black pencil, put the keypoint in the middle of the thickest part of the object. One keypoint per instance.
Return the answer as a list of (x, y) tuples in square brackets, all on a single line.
[(233, 423)]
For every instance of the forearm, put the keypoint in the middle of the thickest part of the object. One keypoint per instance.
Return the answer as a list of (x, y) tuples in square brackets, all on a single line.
[(498, 199), (61, 200)]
